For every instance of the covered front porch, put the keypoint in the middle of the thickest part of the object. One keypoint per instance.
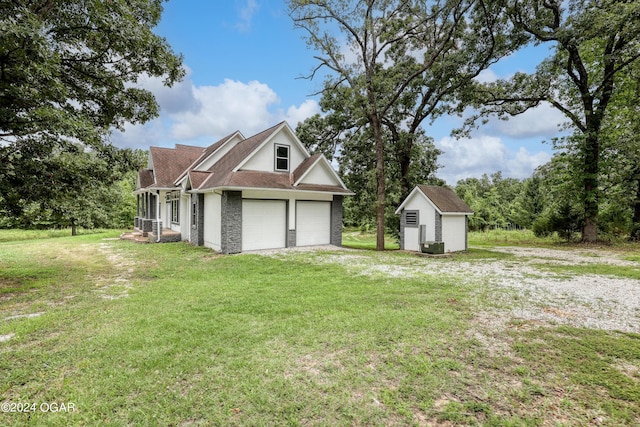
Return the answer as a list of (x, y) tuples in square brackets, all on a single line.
[(147, 224), (166, 235)]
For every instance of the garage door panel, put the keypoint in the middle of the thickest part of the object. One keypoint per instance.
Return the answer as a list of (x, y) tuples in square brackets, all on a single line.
[(313, 223), (264, 224)]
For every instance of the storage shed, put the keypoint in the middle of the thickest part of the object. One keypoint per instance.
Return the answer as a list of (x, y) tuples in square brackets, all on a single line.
[(434, 220)]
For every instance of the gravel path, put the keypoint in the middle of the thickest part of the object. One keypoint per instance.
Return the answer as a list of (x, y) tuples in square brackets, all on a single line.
[(520, 288)]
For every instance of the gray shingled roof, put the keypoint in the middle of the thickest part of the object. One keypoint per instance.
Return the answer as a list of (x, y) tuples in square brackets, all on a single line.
[(445, 199), (170, 163)]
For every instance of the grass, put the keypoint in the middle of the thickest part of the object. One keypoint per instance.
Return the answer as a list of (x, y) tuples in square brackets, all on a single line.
[(357, 239), (13, 235), (172, 334), (499, 237)]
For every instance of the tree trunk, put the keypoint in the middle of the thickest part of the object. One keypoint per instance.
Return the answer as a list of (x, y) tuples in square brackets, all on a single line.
[(635, 225), (590, 185), (376, 127), (74, 228)]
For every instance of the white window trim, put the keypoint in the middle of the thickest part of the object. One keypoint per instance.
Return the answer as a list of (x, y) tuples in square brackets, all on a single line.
[(276, 157)]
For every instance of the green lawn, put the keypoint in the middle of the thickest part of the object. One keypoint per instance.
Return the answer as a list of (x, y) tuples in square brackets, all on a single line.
[(171, 334)]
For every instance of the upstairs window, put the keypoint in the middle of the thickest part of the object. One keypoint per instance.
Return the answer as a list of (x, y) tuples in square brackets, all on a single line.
[(282, 158)]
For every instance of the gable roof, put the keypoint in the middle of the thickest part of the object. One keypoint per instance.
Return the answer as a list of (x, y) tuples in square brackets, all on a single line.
[(226, 172), (170, 163), (206, 153), (444, 199)]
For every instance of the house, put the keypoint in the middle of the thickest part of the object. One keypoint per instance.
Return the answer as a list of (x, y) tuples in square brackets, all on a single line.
[(433, 214), (241, 194)]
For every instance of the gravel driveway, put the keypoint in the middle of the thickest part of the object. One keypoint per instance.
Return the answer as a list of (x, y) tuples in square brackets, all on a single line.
[(520, 287)]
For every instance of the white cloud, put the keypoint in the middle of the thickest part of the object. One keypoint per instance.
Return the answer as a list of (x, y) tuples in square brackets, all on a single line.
[(486, 76), (295, 115), (224, 108), (200, 115), (472, 157), (139, 136), (542, 121)]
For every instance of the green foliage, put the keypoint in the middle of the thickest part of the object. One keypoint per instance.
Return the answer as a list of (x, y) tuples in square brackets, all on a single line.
[(495, 201), (86, 189), (593, 45), (69, 74), (410, 60), (68, 67)]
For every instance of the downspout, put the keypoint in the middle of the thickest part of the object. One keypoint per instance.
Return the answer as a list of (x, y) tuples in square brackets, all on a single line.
[(159, 224)]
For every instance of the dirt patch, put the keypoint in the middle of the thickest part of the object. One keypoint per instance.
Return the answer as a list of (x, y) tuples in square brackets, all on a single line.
[(118, 284)]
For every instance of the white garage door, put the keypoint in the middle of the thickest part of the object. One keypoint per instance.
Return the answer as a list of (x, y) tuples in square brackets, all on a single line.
[(264, 224), (313, 223)]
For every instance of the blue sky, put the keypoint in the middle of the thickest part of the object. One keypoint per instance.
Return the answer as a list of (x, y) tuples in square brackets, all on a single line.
[(245, 64)]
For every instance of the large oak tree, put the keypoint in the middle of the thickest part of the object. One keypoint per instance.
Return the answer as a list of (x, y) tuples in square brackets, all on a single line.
[(400, 61), (591, 43), (68, 74)]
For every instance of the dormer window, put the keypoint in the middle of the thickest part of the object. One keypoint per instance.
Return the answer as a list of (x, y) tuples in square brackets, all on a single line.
[(282, 158)]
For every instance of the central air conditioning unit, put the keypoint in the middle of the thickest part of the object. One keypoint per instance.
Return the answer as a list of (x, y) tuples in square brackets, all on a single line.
[(427, 246)]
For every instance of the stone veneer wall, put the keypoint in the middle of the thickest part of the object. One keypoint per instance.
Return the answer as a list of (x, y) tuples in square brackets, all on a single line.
[(291, 238), (231, 222), (336, 221), (403, 225), (438, 227), (146, 226), (156, 231), (197, 227)]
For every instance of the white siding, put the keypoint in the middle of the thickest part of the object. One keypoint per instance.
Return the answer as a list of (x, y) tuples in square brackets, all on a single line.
[(426, 216), (320, 175), (185, 217), (212, 221), (313, 220), (205, 165), (264, 159), (453, 232), (264, 224)]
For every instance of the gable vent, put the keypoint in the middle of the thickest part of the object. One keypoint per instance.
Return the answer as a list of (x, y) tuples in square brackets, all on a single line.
[(411, 218)]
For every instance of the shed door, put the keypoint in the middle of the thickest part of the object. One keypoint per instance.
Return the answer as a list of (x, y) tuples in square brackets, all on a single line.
[(313, 223), (264, 224)]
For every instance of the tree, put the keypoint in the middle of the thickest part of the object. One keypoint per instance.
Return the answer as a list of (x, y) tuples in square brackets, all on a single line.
[(84, 188), (409, 57), (621, 148), (356, 162), (68, 73), (592, 43)]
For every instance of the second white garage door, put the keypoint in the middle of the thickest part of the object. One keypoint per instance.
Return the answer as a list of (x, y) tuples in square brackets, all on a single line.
[(264, 224), (313, 223)]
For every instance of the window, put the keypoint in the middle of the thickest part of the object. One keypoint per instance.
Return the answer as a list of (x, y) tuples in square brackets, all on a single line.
[(174, 199), (282, 158), (411, 218)]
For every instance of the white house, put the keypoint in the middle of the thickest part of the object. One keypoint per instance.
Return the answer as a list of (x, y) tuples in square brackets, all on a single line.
[(433, 214), (241, 194)]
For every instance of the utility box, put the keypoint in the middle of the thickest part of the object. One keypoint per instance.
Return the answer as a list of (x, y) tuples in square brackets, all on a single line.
[(432, 248)]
